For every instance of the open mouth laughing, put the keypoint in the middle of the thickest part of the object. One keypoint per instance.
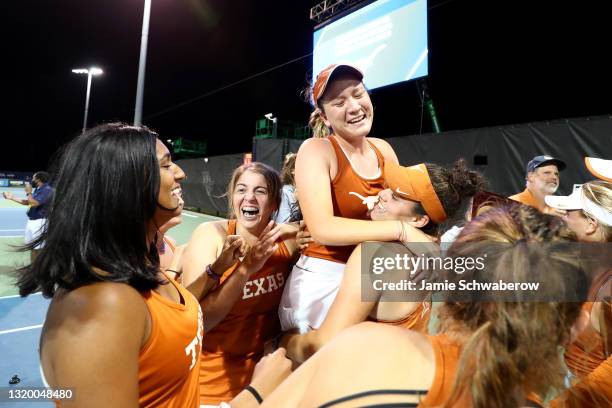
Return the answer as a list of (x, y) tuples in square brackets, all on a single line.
[(357, 120), (249, 212)]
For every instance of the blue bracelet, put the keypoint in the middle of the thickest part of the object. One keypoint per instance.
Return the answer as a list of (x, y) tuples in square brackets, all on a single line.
[(212, 273)]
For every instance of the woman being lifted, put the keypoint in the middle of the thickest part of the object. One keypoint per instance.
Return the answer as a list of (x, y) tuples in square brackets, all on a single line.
[(338, 174)]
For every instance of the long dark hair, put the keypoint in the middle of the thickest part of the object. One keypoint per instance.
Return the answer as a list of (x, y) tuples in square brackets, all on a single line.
[(106, 194)]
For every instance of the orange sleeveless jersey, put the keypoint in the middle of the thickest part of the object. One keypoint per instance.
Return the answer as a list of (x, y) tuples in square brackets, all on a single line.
[(418, 320), (233, 347), (447, 353), (587, 359), (587, 352), (169, 362), (347, 205)]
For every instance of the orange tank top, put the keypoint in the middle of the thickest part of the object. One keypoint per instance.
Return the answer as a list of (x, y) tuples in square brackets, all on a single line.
[(587, 352), (447, 353), (345, 203), (233, 347), (169, 362), (418, 320)]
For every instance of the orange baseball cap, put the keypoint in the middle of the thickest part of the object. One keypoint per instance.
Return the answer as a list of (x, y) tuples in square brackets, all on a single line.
[(318, 88), (414, 184)]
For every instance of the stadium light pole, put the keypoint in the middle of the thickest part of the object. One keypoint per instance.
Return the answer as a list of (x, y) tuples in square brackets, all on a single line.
[(144, 38), (90, 72)]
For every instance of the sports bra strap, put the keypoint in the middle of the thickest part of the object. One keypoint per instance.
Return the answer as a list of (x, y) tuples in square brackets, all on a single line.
[(378, 392)]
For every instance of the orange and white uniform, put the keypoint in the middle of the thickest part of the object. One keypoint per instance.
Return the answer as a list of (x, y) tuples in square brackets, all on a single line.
[(233, 347), (589, 362), (169, 362), (316, 277), (346, 189), (447, 353)]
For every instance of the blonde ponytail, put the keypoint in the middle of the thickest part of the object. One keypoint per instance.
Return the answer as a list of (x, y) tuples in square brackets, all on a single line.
[(318, 126)]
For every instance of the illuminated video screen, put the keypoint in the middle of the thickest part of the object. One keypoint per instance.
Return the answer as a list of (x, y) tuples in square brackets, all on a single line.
[(386, 39)]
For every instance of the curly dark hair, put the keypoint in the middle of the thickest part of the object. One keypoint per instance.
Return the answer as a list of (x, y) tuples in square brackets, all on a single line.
[(454, 186)]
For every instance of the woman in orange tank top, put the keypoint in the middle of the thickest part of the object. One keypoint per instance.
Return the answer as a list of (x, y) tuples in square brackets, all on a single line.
[(425, 195), (487, 353), (118, 331), (588, 212), (240, 314), (338, 173)]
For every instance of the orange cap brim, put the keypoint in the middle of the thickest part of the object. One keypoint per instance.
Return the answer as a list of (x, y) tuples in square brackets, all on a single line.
[(320, 84), (413, 183)]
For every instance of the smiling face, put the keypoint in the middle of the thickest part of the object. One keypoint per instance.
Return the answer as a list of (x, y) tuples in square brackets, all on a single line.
[(169, 200), (544, 179), (391, 207), (347, 107), (251, 200)]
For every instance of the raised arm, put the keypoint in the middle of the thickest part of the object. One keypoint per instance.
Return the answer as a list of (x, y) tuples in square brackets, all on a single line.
[(9, 196), (347, 310), (313, 184), (91, 344), (204, 248), (218, 303)]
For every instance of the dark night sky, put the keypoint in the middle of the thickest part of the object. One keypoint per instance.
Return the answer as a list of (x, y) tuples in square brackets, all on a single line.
[(491, 63)]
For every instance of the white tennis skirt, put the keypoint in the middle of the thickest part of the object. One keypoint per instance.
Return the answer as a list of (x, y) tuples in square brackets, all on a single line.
[(309, 293), (33, 230)]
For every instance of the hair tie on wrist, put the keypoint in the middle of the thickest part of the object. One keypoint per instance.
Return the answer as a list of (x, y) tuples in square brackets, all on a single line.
[(212, 274), (253, 391)]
